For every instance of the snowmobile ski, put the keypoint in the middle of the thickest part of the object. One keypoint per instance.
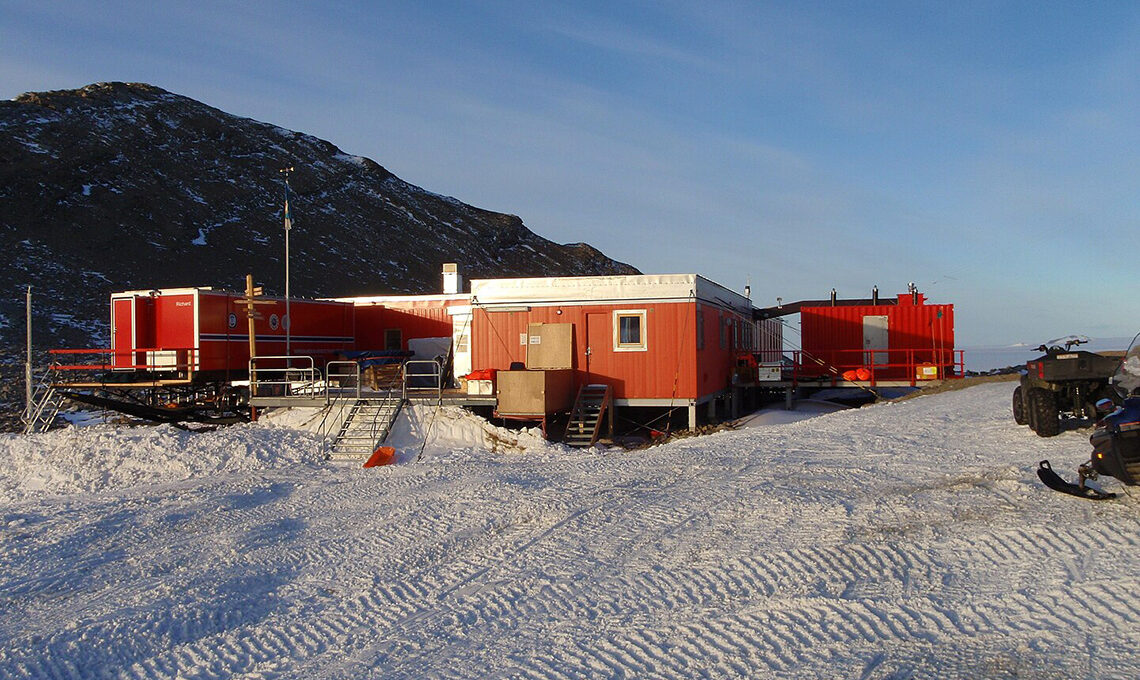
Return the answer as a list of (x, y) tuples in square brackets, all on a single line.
[(1053, 481)]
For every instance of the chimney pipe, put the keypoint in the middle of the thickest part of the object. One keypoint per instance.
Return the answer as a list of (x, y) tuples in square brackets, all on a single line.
[(452, 280), (833, 297), (875, 295)]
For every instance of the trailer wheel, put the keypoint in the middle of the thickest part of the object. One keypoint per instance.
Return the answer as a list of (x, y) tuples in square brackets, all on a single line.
[(1044, 413), (1019, 408)]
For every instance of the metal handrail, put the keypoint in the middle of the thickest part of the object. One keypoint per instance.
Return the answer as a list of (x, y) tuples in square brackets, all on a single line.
[(436, 372), (951, 364), (113, 362), (287, 380), (337, 405), (330, 375), (337, 401)]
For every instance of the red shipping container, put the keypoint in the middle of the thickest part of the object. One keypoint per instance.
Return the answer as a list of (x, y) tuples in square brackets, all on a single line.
[(898, 342), (206, 330)]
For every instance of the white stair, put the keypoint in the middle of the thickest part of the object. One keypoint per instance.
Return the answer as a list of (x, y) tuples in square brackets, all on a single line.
[(365, 428)]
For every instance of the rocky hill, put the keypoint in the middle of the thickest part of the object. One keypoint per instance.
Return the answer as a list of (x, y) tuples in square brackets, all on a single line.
[(120, 186)]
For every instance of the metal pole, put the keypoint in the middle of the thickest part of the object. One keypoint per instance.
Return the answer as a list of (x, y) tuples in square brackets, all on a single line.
[(28, 362), (288, 321)]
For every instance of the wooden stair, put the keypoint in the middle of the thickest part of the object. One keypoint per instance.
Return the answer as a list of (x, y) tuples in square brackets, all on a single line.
[(593, 403)]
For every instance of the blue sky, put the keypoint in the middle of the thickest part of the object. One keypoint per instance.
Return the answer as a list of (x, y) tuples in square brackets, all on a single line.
[(986, 151)]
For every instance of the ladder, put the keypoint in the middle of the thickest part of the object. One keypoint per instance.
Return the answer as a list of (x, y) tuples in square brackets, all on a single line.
[(365, 428), (40, 415), (593, 402)]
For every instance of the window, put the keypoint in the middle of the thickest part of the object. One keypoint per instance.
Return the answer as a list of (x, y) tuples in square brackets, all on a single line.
[(700, 329), (393, 339), (723, 323), (629, 330)]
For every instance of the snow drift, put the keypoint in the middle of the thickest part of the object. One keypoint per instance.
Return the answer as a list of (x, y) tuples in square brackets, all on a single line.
[(900, 540)]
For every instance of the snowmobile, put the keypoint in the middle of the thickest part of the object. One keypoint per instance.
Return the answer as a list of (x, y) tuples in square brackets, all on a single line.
[(1115, 439)]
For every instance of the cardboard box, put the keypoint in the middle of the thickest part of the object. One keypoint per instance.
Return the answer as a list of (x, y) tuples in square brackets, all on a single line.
[(769, 373), (481, 387), (535, 393), (550, 346), (926, 372)]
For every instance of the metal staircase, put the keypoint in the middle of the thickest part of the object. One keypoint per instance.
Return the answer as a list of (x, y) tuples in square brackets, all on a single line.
[(46, 404), (365, 428), (593, 402)]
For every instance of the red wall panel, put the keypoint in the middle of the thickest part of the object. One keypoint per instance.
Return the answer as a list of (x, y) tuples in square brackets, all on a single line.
[(671, 367), (917, 334)]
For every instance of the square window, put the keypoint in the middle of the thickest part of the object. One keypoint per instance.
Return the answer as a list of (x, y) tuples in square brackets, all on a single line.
[(393, 339), (629, 330)]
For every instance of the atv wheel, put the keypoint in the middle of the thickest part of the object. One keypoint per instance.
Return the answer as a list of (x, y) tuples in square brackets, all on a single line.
[(1043, 413), (1019, 408)]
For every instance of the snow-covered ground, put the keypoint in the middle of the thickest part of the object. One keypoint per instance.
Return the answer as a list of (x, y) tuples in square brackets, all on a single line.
[(904, 540)]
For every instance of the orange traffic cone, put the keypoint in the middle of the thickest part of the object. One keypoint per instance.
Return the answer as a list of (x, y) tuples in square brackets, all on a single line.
[(383, 455)]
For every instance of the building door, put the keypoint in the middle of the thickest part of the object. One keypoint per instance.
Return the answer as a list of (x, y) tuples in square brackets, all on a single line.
[(461, 343), (876, 336), (122, 332), (599, 346)]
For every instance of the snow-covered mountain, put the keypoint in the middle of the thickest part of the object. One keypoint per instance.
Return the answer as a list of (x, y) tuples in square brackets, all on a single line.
[(117, 186)]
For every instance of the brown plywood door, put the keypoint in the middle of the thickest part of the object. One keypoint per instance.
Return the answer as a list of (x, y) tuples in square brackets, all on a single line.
[(550, 346)]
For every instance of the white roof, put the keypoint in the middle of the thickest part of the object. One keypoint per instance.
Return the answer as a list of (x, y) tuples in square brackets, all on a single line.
[(396, 299), (595, 289)]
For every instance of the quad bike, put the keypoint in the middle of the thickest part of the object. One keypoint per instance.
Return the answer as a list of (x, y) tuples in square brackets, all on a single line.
[(1063, 385), (1115, 438)]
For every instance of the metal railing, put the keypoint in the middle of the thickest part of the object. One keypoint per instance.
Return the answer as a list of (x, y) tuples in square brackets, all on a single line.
[(285, 380), (911, 366), (346, 376), (423, 376), (336, 413), (154, 359)]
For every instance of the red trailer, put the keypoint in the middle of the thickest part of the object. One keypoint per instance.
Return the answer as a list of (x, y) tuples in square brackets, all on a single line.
[(656, 340), (904, 342), (206, 331)]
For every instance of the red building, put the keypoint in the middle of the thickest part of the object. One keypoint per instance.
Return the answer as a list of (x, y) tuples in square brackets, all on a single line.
[(204, 330), (657, 340), (904, 341)]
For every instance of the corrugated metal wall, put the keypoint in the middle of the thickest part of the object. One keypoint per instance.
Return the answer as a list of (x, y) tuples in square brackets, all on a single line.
[(413, 321), (671, 366), (916, 334)]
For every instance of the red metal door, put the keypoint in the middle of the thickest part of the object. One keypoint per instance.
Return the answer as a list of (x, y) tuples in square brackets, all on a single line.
[(122, 333), (599, 346)]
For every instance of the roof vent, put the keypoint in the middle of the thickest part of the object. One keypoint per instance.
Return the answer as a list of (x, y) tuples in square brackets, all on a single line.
[(452, 280)]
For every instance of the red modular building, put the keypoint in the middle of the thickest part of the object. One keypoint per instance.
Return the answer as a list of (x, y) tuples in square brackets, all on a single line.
[(657, 340), (907, 341), (389, 322), (206, 330)]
